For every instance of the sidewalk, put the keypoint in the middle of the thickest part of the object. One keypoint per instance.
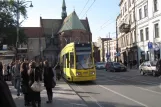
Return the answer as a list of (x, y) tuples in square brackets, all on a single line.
[(63, 96)]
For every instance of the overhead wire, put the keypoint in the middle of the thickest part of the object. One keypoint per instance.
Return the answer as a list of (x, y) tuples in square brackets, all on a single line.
[(89, 8), (84, 7), (106, 25)]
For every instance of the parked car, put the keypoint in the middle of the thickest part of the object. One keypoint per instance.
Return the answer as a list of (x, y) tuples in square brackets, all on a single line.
[(100, 65), (115, 67), (149, 67)]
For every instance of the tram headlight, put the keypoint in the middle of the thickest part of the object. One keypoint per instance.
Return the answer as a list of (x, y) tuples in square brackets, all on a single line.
[(92, 72), (78, 73)]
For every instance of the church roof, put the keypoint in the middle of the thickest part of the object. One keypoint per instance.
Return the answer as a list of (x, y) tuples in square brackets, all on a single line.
[(72, 22)]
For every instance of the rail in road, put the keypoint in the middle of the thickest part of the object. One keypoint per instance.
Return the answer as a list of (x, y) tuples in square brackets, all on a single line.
[(123, 89)]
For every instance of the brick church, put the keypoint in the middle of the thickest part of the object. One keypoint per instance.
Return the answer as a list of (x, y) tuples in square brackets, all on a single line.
[(54, 34)]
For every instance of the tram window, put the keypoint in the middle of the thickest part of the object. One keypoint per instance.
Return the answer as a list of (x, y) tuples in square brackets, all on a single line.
[(67, 57), (71, 60), (64, 61)]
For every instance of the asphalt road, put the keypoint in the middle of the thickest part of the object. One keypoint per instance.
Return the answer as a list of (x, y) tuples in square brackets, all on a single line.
[(120, 89)]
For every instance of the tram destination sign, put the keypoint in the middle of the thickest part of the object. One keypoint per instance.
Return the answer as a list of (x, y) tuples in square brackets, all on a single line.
[(83, 47)]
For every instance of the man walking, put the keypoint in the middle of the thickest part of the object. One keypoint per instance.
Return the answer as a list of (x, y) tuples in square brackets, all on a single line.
[(17, 75)]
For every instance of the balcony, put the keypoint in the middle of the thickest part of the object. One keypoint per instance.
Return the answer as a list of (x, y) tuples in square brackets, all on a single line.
[(124, 28)]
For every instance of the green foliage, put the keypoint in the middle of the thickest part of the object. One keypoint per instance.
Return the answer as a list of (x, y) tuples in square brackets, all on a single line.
[(8, 21)]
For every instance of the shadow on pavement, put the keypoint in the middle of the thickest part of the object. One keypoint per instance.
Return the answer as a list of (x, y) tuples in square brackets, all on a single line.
[(63, 102)]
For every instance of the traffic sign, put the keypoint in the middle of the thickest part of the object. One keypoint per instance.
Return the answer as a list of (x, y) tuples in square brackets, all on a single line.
[(118, 54), (150, 45), (107, 55)]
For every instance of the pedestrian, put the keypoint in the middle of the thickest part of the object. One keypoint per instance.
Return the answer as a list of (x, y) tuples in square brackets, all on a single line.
[(5, 73), (48, 80), (1, 69), (8, 72), (6, 99), (58, 72), (158, 66), (24, 84), (130, 64), (34, 75), (17, 76)]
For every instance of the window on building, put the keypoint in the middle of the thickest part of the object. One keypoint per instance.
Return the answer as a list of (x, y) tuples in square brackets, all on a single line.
[(155, 5), (130, 19), (125, 7), (134, 36), (129, 3), (133, 1), (140, 14), (156, 30), (145, 11), (131, 37), (133, 16), (141, 35), (147, 33)]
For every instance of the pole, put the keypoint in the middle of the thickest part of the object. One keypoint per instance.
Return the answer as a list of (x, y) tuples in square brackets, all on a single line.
[(17, 28), (135, 35), (109, 47), (107, 50), (116, 42)]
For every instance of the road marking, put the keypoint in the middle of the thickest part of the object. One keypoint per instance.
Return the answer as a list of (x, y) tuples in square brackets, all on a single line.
[(132, 78), (123, 96), (148, 90), (79, 104), (136, 86), (91, 97)]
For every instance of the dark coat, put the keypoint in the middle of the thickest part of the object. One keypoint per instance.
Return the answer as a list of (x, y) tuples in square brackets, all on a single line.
[(34, 76), (6, 99), (25, 81), (158, 65), (48, 77)]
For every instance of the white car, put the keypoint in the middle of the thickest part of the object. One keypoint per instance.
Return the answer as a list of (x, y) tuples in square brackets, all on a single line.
[(100, 65), (148, 67)]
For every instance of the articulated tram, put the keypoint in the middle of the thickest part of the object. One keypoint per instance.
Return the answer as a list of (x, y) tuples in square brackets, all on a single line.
[(77, 62)]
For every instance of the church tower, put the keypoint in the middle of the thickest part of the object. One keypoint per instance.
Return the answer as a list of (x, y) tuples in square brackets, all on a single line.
[(64, 13)]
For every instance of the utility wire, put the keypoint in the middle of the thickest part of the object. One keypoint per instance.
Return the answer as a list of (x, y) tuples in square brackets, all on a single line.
[(84, 7), (106, 26), (89, 8), (103, 24)]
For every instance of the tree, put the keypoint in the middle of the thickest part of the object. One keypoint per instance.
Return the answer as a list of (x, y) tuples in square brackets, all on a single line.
[(8, 21)]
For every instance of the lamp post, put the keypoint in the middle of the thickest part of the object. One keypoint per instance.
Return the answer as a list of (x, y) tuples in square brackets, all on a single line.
[(117, 42), (127, 49), (18, 24)]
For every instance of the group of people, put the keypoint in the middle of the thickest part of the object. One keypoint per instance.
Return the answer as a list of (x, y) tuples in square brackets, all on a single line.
[(25, 73)]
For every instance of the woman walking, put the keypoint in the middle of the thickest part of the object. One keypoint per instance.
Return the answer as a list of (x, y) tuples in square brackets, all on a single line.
[(48, 81), (6, 99), (34, 75), (24, 83), (1, 69)]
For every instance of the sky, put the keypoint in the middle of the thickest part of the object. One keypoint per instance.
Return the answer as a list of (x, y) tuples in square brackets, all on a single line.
[(101, 16)]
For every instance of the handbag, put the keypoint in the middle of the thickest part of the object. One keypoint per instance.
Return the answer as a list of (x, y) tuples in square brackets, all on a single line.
[(36, 86), (53, 83)]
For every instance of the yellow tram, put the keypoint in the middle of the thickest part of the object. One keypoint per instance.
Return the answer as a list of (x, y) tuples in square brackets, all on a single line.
[(77, 62)]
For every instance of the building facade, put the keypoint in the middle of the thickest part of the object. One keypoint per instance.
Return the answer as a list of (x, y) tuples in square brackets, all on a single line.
[(148, 28), (138, 24), (126, 24), (102, 43), (110, 48), (36, 43)]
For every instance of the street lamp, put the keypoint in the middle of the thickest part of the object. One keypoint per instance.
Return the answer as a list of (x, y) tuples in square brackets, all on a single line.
[(127, 49), (18, 17), (18, 24)]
